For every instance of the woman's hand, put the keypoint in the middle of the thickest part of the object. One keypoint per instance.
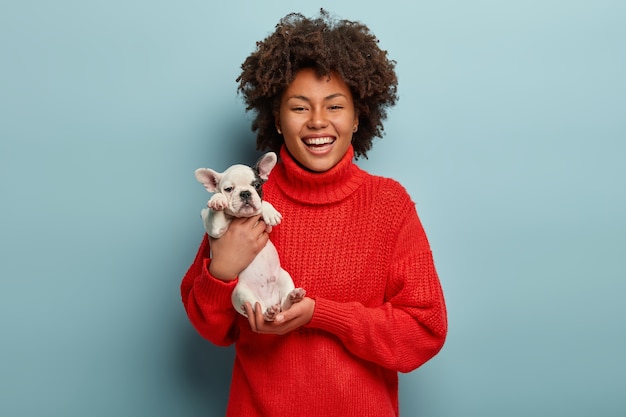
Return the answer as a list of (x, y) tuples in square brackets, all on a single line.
[(286, 321), (233, 252)]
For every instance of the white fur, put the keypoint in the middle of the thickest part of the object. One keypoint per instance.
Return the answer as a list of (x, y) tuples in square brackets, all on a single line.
[(235, 195)]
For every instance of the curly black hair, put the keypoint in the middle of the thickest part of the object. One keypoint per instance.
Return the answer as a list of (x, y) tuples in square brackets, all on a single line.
[(327, 45)]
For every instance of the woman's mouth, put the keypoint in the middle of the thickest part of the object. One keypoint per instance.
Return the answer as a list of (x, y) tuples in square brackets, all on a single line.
[(318, 143)]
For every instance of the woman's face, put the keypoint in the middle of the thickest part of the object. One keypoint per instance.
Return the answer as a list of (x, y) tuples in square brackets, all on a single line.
[(317, 119)]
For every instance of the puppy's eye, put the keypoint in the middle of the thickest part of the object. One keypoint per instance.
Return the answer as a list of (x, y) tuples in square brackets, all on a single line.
[(228, 189), (257, 185)]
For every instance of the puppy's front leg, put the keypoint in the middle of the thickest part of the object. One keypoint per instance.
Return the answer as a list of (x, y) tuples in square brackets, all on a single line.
[(218, 202), (215, 222), (271, 216)]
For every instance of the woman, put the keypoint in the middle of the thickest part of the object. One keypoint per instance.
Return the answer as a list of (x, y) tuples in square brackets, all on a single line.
[(374, 306)]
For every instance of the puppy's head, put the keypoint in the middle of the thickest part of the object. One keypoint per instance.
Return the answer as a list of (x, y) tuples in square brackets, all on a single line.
[(240, 184)]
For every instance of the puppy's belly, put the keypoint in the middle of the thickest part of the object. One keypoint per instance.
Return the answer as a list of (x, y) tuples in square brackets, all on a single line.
[(262, 276)]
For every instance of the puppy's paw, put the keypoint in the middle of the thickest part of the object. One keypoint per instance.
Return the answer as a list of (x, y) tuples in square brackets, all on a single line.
[(297, 295), (218, 202), (271, 216), (271, 312)]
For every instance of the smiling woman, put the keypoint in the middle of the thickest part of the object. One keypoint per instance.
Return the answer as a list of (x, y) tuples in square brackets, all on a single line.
[(353, 241)]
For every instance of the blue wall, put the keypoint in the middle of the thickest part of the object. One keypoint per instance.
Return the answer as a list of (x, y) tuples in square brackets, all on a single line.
[(510, 135)]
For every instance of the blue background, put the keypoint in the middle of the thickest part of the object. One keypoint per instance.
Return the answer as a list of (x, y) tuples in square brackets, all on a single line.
[(509, 134)]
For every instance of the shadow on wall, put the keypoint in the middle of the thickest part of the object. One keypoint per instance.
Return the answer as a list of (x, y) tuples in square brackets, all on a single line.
[(206, 369), (206, 372)]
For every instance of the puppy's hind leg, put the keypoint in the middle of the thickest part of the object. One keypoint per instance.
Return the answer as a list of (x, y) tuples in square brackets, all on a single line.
[(242, 294), (289, 294), (271, 312)]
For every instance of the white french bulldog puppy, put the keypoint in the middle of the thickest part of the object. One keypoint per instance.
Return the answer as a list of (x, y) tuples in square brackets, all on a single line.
[(238, 193)]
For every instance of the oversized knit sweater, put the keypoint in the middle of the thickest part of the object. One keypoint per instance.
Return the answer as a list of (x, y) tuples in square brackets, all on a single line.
[(354, 242)]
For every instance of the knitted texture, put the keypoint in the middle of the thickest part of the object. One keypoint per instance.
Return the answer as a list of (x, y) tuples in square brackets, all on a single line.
[(354, 242)]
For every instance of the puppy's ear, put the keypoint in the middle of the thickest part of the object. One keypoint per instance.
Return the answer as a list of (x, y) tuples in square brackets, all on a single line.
[(265, 164), (209, 178)]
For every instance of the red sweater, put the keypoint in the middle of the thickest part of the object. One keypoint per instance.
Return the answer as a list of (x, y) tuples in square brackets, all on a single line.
[(354, 242)]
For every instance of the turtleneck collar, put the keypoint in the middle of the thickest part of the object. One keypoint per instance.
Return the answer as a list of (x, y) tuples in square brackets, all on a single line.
[(317, 187)]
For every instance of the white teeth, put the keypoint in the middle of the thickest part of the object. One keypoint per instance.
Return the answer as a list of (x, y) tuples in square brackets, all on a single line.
[(319, 141)]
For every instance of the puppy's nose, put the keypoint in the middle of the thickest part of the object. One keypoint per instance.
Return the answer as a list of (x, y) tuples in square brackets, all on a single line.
[(245, 195)]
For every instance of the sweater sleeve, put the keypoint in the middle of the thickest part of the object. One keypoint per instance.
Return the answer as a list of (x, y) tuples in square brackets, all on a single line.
[(207, 300), (410, 327)]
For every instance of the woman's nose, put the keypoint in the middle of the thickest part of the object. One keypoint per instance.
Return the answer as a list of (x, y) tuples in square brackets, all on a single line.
[(317, 119)]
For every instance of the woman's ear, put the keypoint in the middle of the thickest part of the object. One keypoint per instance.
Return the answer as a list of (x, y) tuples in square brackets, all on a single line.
[(277, 124)]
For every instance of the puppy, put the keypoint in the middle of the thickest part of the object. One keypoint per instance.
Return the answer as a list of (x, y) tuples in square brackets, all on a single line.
[(238, 193)]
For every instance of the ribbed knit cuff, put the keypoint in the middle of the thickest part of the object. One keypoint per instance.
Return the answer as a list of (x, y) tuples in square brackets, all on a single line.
[(332, 316), (214, 291)]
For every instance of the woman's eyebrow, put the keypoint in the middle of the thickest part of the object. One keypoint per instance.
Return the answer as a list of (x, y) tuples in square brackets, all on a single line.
[(305, 98)]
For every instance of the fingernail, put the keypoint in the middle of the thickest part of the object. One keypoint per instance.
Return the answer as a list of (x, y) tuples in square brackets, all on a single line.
[(280, 318)]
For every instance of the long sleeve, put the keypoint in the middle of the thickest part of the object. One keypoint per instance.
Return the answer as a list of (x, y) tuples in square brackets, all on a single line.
[(207, 300), (410, 326)]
